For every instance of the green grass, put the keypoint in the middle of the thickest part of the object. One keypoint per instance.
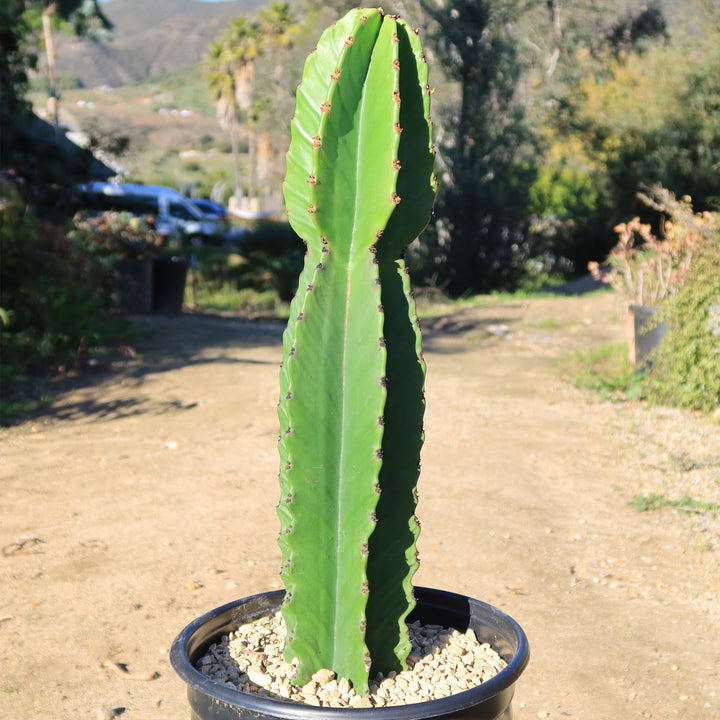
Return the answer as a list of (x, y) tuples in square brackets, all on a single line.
[(653, 501), (548, 324), (229, 298), (432, 301), (606, 370)]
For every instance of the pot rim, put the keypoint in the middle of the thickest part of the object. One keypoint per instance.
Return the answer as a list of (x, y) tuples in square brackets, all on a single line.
[(426, 597)]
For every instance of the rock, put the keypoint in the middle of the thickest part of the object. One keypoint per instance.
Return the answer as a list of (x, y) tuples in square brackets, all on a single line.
[(310, 688), (360, 701), (259, 678), (323, 676), (344, 686)]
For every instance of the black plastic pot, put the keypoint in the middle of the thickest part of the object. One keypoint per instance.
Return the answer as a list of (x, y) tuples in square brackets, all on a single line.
[(169, 275), (489, 701), (648, 332), (133, 291)]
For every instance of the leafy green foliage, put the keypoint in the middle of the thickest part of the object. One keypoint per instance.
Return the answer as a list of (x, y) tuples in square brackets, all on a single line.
[(359, 188), (82, 17), (686, 371), (258, 279), (482, 228), (54, 293), (643, 116), (15, 61), (270, 259), (273, 256), (612, 101)]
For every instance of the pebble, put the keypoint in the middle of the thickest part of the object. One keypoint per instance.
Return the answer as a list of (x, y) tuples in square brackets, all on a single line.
[(259, 678), (442, 662), (323, 676)]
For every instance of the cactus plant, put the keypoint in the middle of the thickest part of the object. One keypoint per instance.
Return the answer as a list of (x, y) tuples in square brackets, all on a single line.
[(359, 188)]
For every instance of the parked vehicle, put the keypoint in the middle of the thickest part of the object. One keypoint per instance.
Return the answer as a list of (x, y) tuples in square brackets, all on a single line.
[(167, 210), (211, 209), (217, 213)]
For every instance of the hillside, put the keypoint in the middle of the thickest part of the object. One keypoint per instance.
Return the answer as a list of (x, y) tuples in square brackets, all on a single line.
[(156, 38), (149, 39)]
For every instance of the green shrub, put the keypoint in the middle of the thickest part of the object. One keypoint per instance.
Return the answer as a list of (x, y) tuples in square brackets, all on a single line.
[(54, 293), (100, 240), (274, 255), (686, 371), (261, 275)]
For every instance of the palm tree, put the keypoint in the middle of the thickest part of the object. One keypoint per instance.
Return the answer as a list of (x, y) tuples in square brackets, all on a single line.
[(277, 25), (220, 79), (242, 47), (276, 32), (86, 19), (229, 71)]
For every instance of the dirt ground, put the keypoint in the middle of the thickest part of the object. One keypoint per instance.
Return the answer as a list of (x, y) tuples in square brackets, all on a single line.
[(145, 496)]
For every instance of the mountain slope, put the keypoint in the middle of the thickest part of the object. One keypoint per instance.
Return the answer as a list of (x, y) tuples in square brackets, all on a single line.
[(149, 39)]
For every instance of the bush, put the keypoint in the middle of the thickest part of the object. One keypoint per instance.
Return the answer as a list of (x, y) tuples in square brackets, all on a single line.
[(109, 236), (274, 255), (262, 274), (54, 293), (686, 371)]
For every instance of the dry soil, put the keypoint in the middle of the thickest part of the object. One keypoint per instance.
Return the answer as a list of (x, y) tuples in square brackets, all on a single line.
[(145, 496)]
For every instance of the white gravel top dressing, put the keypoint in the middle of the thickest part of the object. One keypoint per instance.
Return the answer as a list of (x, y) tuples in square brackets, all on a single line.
[(442, 662)]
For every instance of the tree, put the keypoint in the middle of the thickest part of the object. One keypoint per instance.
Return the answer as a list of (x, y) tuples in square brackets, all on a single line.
[(487, 168), (220, 80), (575, 48), (83, 17), (276, 78), (20, 25), (641, 116), (15, 61), (230, 70)]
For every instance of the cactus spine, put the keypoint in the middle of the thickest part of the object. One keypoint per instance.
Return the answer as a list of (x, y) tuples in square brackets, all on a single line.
[(359, 188)]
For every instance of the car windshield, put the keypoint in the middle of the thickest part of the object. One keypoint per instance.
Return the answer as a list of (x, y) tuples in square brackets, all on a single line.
[(208, 206), (180, 210)]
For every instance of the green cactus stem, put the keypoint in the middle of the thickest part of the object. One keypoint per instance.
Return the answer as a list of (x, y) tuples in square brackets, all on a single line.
[(359, 188)]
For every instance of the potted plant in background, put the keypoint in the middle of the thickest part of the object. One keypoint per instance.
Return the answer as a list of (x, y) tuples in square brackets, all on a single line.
[(144, 277), (646, 269), (127, 246), (359, 188)]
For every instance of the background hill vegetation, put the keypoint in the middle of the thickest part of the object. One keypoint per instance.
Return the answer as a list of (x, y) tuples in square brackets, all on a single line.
[(549, 116), (148, 40)]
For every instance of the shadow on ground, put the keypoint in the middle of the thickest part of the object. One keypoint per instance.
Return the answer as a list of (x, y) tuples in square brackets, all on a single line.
[(160, 344), (163, 344)]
